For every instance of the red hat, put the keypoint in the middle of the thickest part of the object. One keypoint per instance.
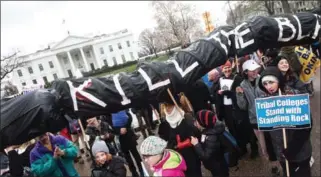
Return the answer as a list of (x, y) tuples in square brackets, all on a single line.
[(206, 118)]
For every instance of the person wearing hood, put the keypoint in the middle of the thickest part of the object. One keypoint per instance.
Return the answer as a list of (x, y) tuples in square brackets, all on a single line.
[(299, 148), (209, 149), (107, 165), (181, 127), (291, 79), (162, 161), (246, 94)]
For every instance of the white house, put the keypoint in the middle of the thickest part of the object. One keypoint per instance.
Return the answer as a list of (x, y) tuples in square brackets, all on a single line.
[(64, 58)]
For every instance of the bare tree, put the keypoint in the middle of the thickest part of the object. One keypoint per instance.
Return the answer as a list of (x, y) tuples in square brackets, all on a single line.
[(269, 5), (231, 13), (180, 19), (10, 89), (10, 63), (286, 6), (147, 40), (165, 39)]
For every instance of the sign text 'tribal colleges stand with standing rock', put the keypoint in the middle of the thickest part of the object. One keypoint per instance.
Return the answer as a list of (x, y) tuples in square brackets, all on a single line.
[(283, 112)]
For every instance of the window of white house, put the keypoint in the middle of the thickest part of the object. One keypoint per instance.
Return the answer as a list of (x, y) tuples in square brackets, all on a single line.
[(105, 62), (111, 48), (19, 73), (55, 76), (45, 79), (128, 43), (132, 55), (102, 50), (23, 84), (51, 64), (77, 57), (88, 54), (30, 70), (34, 81), (114, 60), (123, 58), (40, 67), (119, 46), (65, 60)]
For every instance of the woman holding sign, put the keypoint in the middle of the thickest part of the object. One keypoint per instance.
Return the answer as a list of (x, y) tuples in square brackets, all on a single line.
[(299, 149)]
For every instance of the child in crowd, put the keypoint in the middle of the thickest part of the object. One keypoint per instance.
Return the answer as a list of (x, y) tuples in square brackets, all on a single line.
[(108, 165), (163, 162), (210, 150), (299, 148)]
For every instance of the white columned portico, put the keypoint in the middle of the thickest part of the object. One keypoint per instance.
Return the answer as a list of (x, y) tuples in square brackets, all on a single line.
[(84, 58), (97, 58), (60, 71), (73, 68)]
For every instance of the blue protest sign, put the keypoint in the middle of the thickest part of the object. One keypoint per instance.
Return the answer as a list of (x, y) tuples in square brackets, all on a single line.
[(286, 111)]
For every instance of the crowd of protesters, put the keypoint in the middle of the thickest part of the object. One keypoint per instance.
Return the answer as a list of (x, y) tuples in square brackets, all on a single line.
[(190, 132)]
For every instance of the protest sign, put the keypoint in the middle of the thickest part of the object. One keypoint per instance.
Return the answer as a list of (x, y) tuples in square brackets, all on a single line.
[(286, 111)]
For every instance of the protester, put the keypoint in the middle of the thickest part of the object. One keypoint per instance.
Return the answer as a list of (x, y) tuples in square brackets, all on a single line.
[(181, 128), (77, 139), (97, 128), (290, 78), (53, 156), (122, 127), (235, 118), (107, 164), (209, 149), (163, 162), (299, 149), (246, 94)]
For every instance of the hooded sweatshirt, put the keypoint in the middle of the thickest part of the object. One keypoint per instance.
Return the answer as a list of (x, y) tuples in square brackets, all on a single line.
[(298, 141), (246, 100)]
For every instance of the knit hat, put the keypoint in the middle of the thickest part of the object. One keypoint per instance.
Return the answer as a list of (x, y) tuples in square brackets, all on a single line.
[(153, 145), (269, 72), (99, 146), (206, 118), (269, 78)]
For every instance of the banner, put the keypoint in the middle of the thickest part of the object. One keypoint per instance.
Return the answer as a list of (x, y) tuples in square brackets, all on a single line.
[(95, 96), (286, 111)]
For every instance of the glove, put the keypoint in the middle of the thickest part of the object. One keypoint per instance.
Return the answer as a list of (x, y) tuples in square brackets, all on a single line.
[(184, 144)]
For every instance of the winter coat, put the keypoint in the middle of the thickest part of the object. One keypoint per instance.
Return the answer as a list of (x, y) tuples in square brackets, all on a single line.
[(43, 163), (128, 140), (114, 168), (171, 164), (17, 162), (120, 118), (185, 130), (209, 148), (93, 132), (299, 146), (295, 83)]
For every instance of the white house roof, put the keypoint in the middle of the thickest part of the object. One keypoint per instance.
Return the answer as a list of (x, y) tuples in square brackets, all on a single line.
[(70, 40)]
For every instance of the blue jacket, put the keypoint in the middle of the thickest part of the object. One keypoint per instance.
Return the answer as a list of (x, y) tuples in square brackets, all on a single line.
[(43, 163), (120, 119)]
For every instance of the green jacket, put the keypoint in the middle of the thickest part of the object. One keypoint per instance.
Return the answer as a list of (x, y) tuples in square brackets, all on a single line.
[(43, 163)]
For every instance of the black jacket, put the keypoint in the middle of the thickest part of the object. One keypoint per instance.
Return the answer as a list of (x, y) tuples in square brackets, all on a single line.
[(211, 151), (115, 168), (93, 132)]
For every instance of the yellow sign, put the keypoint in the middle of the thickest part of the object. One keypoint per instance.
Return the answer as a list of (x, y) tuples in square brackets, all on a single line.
[(310, 63), (208, 22)]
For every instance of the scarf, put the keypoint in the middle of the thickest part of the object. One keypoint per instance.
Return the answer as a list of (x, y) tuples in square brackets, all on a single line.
[(175, 117)]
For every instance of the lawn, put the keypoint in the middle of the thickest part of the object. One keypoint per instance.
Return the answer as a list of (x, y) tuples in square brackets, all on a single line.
[(131, 68)]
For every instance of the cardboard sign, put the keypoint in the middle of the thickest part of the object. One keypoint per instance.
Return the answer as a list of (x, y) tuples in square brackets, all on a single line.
[(286, 111)]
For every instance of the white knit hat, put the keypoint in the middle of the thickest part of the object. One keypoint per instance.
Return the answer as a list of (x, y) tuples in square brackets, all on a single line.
[(99, 146), (269, 78), (153, 145)]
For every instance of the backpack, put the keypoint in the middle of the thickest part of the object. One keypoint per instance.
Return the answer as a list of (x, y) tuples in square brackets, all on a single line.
[(231, 148)]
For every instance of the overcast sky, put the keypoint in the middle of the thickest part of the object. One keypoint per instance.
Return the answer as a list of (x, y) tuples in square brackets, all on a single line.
[(31, 26)]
